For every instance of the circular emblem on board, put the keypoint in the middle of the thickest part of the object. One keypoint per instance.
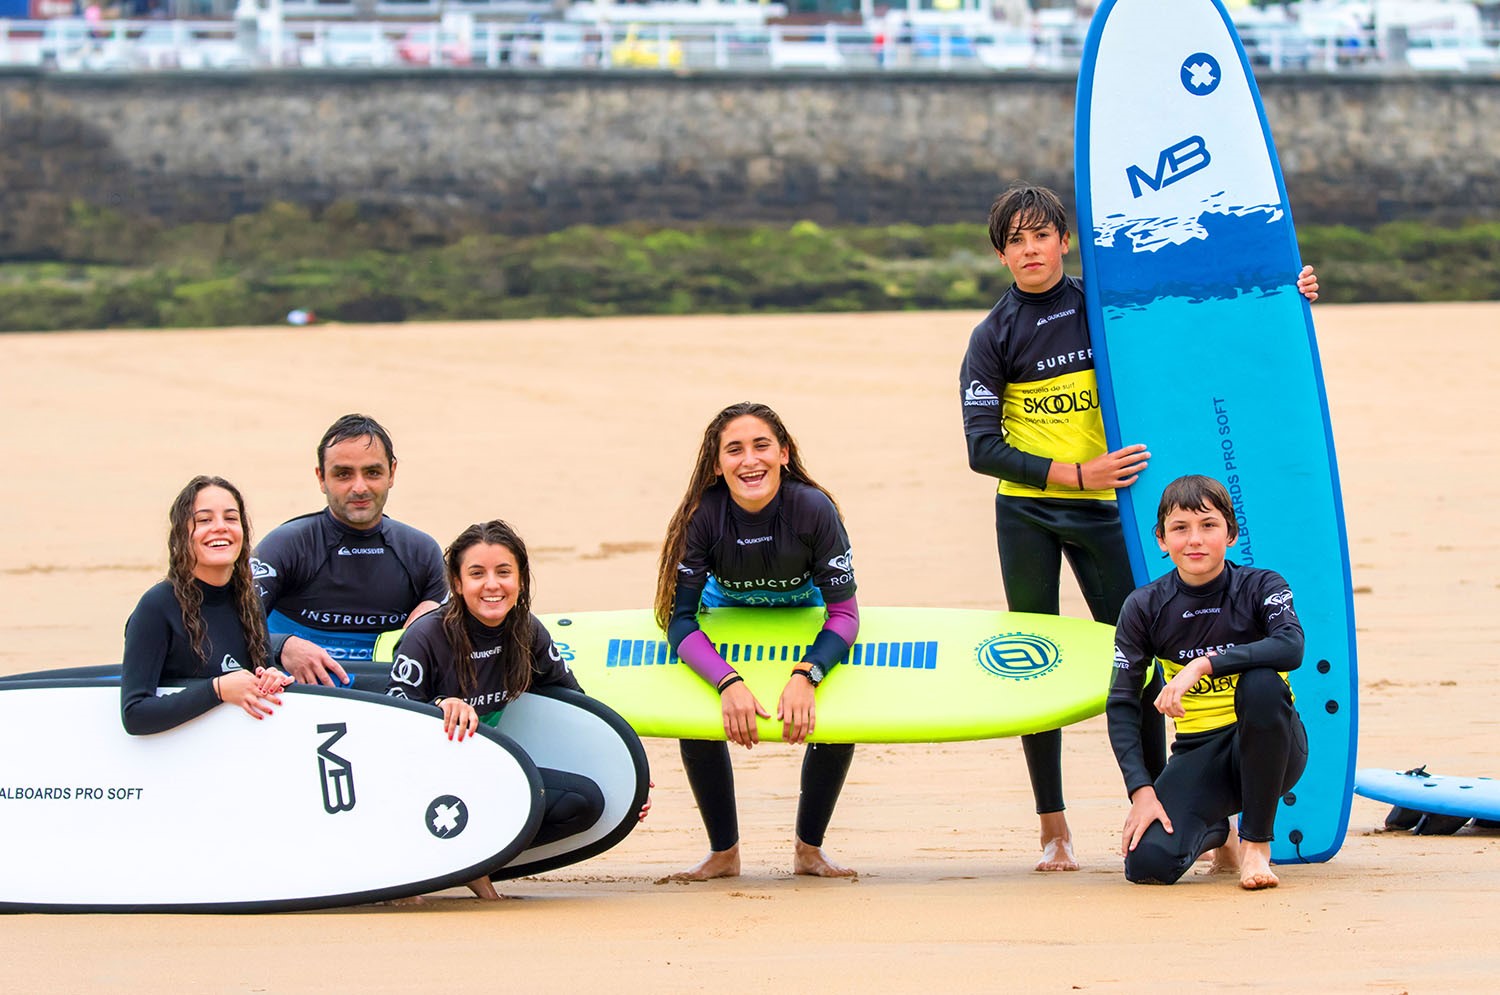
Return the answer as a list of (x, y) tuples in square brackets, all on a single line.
[(447, 815), (1200, 74), (1019, 656)]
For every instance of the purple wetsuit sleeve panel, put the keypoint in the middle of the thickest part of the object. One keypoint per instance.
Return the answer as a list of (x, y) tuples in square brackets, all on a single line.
[(699, 654), (843, 620)]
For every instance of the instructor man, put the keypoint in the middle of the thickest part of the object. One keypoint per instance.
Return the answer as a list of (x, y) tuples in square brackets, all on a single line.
[(333, 580)]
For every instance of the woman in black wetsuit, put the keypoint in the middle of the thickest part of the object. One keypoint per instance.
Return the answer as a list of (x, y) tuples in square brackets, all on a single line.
[(754, 529), (483, 649), (203, 626)]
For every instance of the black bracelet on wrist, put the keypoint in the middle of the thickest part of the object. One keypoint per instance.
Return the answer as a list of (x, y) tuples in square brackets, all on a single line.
[(1079, 468), (730, 680)]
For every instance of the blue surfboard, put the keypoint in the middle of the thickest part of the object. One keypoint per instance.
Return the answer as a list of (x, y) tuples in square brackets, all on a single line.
[(1205, 350), (1472, 797)]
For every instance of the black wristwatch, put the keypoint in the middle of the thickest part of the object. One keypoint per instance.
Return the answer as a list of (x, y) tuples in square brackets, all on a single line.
[(814, 674)]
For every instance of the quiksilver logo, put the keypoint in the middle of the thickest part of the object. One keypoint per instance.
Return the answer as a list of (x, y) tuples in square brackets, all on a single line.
[(361, 551), (229, 663), (752, 541), (978, 395)]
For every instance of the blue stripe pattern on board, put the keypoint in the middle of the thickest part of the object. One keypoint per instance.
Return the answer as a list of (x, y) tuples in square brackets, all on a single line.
[(897, 655)]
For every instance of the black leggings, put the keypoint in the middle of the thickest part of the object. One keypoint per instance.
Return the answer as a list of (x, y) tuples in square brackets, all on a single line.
[(1034, 534), (1245, 767), (711, 776), (573, 804)]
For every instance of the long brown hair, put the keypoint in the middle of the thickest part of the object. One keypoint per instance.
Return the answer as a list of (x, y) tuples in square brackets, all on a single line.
[(515, 655), (181, 559), (704, 478)]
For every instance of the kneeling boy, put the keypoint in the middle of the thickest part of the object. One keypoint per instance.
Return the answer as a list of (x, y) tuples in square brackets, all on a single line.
[(1226, 636)]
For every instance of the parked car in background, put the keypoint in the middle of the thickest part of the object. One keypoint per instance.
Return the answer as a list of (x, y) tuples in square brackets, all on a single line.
[(433, 46), (637, 52)]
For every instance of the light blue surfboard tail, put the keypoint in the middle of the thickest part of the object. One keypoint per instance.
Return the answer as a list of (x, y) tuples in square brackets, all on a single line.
[(1204, 349)]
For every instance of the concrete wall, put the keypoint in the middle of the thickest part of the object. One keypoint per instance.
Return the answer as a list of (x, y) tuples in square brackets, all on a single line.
[(520, 153)]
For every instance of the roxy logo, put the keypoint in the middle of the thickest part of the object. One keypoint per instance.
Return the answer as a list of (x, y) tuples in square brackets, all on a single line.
[(979, 396), (1200, 74), (844, 561), (1175, 162), (361, 551), (447, 815), (335, 773), (260, 568), (1018, 655), (1282, 602)]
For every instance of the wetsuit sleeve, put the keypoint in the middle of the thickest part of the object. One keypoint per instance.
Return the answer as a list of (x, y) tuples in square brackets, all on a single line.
[(1134, 664), (432, 579), (548, 668), (981, 382), (147, 642), (412, 664), (1281, 649), (837, 635), (686, 639)]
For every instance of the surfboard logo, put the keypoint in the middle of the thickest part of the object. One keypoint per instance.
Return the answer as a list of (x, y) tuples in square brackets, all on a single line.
[(334, 772), (1175, 162), (1200, 74), (447, 815), (1020, 656)]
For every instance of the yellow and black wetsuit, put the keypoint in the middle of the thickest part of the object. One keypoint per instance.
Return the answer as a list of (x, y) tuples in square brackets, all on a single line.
[(1030, 398), (1240, 744)]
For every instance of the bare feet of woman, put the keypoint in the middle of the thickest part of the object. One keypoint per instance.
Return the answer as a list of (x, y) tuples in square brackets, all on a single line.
[(718, 864), (1057, 844), (812, 861), (484, 888), (1255, 866)]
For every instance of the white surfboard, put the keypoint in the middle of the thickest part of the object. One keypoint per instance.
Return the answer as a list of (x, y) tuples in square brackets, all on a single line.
[(339, 797)]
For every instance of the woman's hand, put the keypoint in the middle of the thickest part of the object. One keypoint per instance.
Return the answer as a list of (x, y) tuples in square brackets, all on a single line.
[(269, 681), (241, 688), (795, 709), (740, 712), (646, 808), (458, 716)]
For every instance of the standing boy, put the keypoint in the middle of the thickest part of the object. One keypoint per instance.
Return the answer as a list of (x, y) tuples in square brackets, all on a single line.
[(1226, 637)]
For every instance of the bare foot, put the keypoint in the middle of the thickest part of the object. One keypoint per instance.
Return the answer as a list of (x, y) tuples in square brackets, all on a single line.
[(1057, 855), (1255, 866), (413, 900), (484, 888), (718, 864), (812, 861), (1224, 859), (1057, 844)]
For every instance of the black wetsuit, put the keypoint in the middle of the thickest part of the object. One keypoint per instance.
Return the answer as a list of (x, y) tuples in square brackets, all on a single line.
[(424, 669), (795, 551), (1240, 744), (1030, 397), (341, 587), (158, 651)]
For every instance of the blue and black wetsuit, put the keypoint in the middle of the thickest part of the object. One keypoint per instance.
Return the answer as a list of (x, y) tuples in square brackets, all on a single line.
[(1240, 744), (1030, 397), (424, 669), (158, 651), (340, 587), (792, 553)]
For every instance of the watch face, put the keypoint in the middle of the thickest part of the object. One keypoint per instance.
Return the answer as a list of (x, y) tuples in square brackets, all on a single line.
[(815, 674)]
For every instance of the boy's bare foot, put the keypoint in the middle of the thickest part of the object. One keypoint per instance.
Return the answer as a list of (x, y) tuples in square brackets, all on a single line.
[(1057, 844), (412, 900), (1224, 859), (812, 861), (1057, 855), (1255, 866), (718, 864)]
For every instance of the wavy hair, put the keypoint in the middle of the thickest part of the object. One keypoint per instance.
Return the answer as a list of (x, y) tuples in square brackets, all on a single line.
[(181, 559), (516, 629), (703, 479)]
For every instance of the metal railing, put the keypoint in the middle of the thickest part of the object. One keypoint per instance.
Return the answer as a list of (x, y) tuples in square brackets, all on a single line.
[(77, 45)]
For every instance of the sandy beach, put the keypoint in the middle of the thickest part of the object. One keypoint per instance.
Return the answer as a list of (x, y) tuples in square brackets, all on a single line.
[(581, 433)]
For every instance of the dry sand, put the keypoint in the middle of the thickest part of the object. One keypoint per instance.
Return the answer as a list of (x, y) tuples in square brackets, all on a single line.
[(581, 433)]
